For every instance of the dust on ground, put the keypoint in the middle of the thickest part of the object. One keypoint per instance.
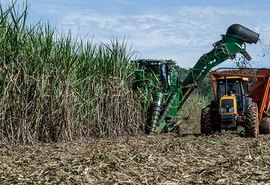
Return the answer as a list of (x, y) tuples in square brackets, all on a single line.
[(161, 159)]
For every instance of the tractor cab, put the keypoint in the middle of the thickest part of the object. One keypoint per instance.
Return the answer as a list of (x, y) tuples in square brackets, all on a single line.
[(231, 98), (232, 91)]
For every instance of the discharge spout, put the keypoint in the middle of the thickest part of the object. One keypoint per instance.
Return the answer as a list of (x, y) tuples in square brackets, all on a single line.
[(240, 32)]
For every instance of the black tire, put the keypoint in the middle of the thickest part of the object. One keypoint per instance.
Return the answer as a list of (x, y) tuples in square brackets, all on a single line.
[(206, 121), (252, 124), (177, 130), (265, 126)]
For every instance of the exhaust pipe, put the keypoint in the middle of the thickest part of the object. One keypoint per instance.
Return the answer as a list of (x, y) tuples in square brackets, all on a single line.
[(240, 32)]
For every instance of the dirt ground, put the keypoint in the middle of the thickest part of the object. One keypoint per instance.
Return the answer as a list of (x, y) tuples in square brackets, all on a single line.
[(162, 159)]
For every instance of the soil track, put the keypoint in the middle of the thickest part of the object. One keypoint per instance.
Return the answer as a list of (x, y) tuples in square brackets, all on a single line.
[(163, 159)]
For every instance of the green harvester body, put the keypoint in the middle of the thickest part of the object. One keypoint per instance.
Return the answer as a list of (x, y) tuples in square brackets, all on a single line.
[(162, 77)]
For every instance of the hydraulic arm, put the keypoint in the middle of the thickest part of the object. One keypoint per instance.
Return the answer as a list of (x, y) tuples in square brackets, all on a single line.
[(227, 48)]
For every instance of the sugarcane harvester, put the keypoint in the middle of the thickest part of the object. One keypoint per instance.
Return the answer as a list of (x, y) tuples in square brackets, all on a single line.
[(162, 77)]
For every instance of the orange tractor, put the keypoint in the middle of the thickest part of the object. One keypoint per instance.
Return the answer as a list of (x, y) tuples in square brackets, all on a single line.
[(242, 98)]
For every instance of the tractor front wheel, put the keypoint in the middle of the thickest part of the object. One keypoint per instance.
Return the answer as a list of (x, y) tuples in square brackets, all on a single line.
[(206, 121), (265, 126), (252, 124)]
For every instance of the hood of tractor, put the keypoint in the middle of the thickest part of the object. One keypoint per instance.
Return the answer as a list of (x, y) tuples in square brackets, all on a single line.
[(228, 104)]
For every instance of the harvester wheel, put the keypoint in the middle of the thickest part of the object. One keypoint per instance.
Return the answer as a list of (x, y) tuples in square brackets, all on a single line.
[(206, 124), (265, 126), (252, 124)]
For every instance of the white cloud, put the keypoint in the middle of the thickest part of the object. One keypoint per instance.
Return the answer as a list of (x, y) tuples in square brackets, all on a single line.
[(204, 11), (4, 1), (179, 33)]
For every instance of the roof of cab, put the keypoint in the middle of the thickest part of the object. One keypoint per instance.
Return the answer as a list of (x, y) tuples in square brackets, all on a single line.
[(233, 77)]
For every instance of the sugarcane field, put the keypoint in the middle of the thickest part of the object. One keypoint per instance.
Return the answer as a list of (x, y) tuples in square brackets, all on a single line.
[(74, 110)]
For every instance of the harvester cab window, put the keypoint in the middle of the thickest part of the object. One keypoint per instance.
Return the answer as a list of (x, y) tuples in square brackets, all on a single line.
[(165, 75), (234, 88), (221, 89)]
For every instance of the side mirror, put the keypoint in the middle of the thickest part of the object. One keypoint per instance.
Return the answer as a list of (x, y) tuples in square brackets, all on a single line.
[(249, 87)]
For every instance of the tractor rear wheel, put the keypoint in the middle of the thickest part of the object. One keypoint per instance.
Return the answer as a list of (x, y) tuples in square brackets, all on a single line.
[(252, 124), (206, 121), (265, 126)]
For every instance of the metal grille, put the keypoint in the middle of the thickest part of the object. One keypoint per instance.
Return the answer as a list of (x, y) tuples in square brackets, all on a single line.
[(227, 103)]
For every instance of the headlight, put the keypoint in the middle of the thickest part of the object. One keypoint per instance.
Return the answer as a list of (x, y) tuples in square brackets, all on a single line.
[(231, 109), (222, 110)]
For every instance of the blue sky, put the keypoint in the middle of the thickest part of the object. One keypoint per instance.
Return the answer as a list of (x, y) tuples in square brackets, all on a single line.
[(181, 30)]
